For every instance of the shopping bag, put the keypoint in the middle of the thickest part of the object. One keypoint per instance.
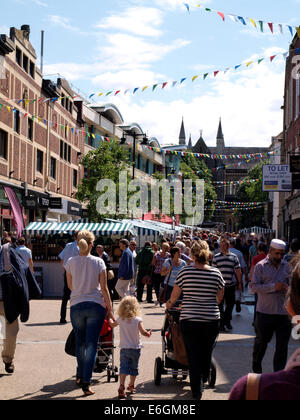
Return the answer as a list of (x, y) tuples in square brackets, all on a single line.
[(70, 347)]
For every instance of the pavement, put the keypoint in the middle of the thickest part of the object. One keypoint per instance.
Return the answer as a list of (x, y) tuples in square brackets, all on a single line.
[(45, 372)]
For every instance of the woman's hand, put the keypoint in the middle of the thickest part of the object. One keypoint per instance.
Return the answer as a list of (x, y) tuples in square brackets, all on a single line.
[(110, 316), (294, 361)]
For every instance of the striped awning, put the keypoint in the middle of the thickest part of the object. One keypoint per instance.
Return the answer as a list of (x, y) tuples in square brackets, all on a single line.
[(105, 228)]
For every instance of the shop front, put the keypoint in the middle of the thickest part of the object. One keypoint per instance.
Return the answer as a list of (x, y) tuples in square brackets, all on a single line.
[(63, 210), (7, 222), (46, 240)]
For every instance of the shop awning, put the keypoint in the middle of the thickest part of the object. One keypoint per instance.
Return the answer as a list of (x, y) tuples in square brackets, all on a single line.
[(105, 228)]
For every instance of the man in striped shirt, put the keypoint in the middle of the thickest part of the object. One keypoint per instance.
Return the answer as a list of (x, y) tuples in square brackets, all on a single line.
[(230, 268)]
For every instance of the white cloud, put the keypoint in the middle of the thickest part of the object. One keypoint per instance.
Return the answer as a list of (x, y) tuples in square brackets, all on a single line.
[(137, 20), (62, 22)]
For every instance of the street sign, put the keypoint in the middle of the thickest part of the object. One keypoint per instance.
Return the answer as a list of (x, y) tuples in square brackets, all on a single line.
[(277, 178)]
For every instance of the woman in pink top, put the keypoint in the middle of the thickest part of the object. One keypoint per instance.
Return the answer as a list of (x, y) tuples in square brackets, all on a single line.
[(158, 261)]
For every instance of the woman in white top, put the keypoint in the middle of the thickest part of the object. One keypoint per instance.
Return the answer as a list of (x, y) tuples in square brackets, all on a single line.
[(87, 279)]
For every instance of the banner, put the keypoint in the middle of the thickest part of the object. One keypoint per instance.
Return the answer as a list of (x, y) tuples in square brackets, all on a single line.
[(16, 209)]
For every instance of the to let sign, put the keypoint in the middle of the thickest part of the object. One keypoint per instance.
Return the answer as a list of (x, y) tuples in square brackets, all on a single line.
[(277, 178)]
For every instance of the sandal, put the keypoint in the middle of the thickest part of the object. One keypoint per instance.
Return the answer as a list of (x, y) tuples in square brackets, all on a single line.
[(131, 389), (121, 393)]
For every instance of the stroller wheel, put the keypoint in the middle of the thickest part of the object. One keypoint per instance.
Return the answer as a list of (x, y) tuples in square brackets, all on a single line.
[(212, 376), (108, 375), (158, 368)]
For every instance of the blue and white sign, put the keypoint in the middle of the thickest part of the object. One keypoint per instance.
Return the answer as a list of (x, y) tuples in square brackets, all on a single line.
[(277, 178)]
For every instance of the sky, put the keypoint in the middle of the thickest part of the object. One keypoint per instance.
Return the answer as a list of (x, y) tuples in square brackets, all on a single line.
[(101, 46)]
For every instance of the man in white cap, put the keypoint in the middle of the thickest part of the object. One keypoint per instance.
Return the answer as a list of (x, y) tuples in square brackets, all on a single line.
[(270, 281)]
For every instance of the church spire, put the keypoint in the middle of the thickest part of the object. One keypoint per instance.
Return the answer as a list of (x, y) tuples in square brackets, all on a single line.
[(220, 139), (182, 136), (190, 142)]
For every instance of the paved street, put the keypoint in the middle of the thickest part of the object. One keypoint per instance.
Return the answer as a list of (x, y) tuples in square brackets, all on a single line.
[(44, 371)]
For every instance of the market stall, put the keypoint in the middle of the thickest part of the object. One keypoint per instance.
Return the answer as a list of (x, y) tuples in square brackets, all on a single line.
[(46, 241)]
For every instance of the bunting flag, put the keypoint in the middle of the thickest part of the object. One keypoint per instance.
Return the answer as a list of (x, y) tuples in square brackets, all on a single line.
[(148, 87), (249, 20)]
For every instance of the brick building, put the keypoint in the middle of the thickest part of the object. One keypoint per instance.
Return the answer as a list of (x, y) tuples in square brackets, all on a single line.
[(289, 216), (40, 142)]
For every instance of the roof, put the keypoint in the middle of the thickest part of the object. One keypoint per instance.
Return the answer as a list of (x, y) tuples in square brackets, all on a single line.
[(111, 110)]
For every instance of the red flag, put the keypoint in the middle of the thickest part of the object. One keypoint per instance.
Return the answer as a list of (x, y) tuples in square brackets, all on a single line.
[(222, 16), (272, 58), (164, 85), (271, 27), (216, 72), (118, 91)]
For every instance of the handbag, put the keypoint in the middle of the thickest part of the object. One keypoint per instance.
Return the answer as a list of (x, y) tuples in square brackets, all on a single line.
[(70, 347), (163, 290), (178, 343), (147, 279)]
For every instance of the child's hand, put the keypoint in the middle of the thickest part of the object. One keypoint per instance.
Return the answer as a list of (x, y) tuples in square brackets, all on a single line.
[(149, 333)]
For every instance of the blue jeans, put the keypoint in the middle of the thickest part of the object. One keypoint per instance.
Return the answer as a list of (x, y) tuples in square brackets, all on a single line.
[(129, 362), (87, 320)]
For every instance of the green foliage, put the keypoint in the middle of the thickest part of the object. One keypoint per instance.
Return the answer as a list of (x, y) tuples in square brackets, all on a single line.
[(106, 162)]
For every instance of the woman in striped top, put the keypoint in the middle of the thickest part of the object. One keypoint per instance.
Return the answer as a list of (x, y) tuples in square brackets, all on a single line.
[(203, 289)]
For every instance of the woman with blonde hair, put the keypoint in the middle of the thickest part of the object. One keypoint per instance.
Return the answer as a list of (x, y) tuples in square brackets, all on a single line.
[(202, 287), (131, 326), (87, 279)]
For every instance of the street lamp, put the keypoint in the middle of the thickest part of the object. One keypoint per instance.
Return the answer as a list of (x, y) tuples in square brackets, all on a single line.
[(144, 143)]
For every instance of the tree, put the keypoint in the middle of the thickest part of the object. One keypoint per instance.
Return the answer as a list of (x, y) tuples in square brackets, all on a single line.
[(253, 193), (106, 162)]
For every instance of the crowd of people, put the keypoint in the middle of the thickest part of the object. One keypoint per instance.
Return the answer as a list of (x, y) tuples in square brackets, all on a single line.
[(202, 273)]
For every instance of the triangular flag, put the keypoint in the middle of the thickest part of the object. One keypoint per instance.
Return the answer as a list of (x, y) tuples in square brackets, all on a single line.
[(205, 76), (233, 18), (144, 88), (174, 83), (216, 72), (118, 91), (236, 67), (154, 87), (187, 7), (280, 28), (242, 20), (272, 58), (249, 63), (182, 80), (271, 27), (261, 24), (298, 31), (253, 22), (194, 78), (100, 94), (135, 90), (222, 16), (164, 85), (260, 60), (109, 93), (291, 30)]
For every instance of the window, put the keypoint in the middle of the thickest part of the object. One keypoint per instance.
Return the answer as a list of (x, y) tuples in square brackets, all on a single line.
[(75, 178), (39, 161), (65, 151), (32, 69), (30, 129), (18, 56), (69, 154), (61, 154), (25, 63), (17, 121), (53, 168), (3, 144)]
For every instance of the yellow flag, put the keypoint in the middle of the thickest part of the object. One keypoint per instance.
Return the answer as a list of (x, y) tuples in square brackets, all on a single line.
[(100, 94), (194, 78), (298, 31), (144, 88), (253, 22), (248, 64)]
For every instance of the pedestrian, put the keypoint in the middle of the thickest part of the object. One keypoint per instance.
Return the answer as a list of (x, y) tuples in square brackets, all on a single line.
[(229, 266), (183, 256), (110, 273), (244, 268), (270, 281), (202, 287), (25, 253), (17, 287), (69, 251), (283, 385), (253, 251), (131, 326), (171, 269), (294, 251), (86, 277), (126, 270), (132, 247), (262, 254), (144, 261), (158, 261)]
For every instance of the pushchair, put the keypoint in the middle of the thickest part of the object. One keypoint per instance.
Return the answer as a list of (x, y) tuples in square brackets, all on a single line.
[(173, 361), (105, 353)]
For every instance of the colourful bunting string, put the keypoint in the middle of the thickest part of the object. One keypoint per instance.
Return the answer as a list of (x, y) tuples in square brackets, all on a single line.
[(243, 20)]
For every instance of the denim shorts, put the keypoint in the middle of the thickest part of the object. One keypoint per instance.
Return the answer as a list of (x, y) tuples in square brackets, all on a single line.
[(129, 362)]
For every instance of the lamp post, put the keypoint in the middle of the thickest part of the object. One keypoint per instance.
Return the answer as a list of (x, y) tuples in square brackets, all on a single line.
[(144, 142)]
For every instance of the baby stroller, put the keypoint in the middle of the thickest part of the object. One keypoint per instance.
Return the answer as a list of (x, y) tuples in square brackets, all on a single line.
[(105, 354), (173, 361)]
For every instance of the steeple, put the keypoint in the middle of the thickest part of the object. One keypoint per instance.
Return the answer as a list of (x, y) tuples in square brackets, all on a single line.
[(190, 142), (220, 139), (182, 136)]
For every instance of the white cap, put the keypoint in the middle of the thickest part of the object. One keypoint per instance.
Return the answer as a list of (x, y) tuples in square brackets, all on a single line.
[(278, 244)]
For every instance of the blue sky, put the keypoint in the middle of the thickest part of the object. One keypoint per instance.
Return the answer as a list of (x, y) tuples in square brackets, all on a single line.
[(109, 45)]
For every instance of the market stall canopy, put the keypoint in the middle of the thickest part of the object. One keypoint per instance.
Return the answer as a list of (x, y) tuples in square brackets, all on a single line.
[(145, 227), (105, 229)]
